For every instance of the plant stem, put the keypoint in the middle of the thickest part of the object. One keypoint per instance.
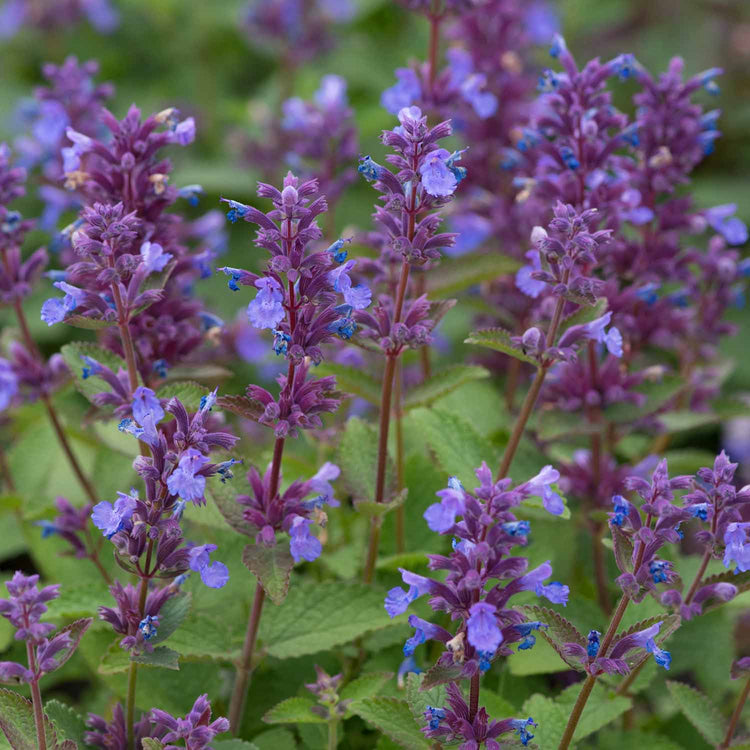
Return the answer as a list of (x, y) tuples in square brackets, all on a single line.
[(735, 716), (333, 742), (400, 515), (36, 699), (433, 50), (5, 471)]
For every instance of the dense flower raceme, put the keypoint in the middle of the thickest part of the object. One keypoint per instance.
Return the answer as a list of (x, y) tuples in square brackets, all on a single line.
[(15, 14), (24, 609), (131, 260)]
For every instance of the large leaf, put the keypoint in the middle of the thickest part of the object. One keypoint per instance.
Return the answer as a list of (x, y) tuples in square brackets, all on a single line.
[(17, 722), (68, 724), (272, 566), (459, 448), (442, 383), (224, 495), (187, 391), (456, 274), (202, 637), (418, 699), (499, 340), (294, 710), (699, 710), (394, 718), (357, 457), (161, 656), (92, 385), (320, 616), (365, 686), (352, 380)]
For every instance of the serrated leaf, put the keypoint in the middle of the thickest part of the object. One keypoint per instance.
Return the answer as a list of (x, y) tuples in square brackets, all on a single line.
[(699, 710), (279, 738), (17, 722), (370, 508), (162, 657), (418, 699), (499, 340), (242, 406), (202, 637), (171, 616), (618, 739), (75, 630), (187, 391), (558, 632), (352, 380), (295, 710), (224, 495), (458, 447), (447, 380), (320, 616), (272, 566), (357, 457), (365, 686), (392, 717), (89, 324), (623, 549), (740, 580), (92, 385), (68, 724), (237, 745), (439, 674), (584, 315), (149, 743), (456, 274), (543, 658)]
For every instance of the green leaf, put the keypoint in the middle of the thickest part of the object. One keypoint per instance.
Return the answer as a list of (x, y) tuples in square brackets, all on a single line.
[(149, 743), (295, 710), (68, 724), (623, 548), (699, 710), (497, 707), (171, 616), (740, 580), (371, 508), (459, 448), (238, 745), (439, 674), (618, 739), (584, 315), (658, 393), (365, 686), (447, 380), (357, 457), (456, 274), (558, 631), (542, 659), (187, 391), (321, 616), (242, 406), (201, 637), (93, 385), (78, 600), (418, 699), (602, 708), (75, 630), (272, 566), (161, 656), (89, 324), (224, 495), (17, 722), (499, 340), (352, 380), (392, 717), (114, 660), (279, 738)]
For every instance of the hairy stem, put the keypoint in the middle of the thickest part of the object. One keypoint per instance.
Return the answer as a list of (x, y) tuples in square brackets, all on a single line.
[(36, 699), (735, 720), (433, 50), (400, 515), (6, 472), (333, 741)]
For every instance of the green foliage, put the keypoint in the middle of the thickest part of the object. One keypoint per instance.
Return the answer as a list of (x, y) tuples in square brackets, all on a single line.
[(699, 710), (357, 457), (394, 718), (419, 698), (187, 391), (92, 385), (447, 380), (456, 274), (499, 340), (67, 723), (365, 686), (293, 711), (272, 566), (353, 380), (17, 722)]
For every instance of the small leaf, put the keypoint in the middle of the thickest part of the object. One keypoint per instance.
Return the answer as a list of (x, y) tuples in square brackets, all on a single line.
[(92, 385), (365, 686), (499, 340), (442, 383), (242, 406), (187, 391), (456, 274), (272, 566), (418, 698), (17, 722), (161, 656), (293, 711), (558, 632), (149, 743), (392, 717), (68, 724), (238, 745), (89, 324), (439, 674), (623, 549), (352, 380), (699, 710), (171, 616), (75, 630)]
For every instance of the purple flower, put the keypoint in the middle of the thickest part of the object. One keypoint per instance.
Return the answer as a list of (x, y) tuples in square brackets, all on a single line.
[(54, 310), (529, 286), (398, 600), (153, 256), (612, 339), (437, 177), (540, 485), (185, 481), (484, 102), (267, 309), (110, 519), (8, 383), (72, 154), (184, 132), (441, 516), (722, 220), (303, 545), (555, 592), (195, 728), (332, 92), (214, 574), (737, 546), (321, 483), (483, 631), (360, 296), (404, 93), (145, 402)]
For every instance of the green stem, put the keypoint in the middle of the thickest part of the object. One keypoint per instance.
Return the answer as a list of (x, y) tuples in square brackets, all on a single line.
[(333, 725)]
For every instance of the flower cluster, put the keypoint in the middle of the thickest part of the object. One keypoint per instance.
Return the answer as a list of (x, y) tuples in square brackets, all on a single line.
[(16, 14)]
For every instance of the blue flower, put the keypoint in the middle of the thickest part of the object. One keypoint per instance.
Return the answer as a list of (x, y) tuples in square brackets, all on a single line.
[(541, 485), (92, 367), (48, 528), (529, 139), (706, 80), (321, 483), (521, 726), (624, 65), (148, 626), (54, 310), (483, 102), (621, 511), (339, 255), (525, 629), (280, 342), (612, 339), (370, 169), (397, 601), (529, 286), (153, 256), (207, 402), (517, 528), (344, 327), (658, 570), (146, 402), (411, 644), (191, 193), (737, 547), (405, 92), (214, 574), (437, 177), (303, 545), (235, 275), (267, 309), (407, 665), (558, 46), (548, 82), (482, 628), (555, 592), (722, 220), (630, 135), (224, 469), (592, 649), (147, 432), (569, 158), (441, 516), (648, 293), (699, 510), (110, 519), (433, 716), (184, 480), (662, 658), (359, 296), (236, 210), (161, 367)]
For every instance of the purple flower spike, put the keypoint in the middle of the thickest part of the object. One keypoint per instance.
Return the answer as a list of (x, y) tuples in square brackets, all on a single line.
[(303, 545), (437, 177), (196, 729), (737, 546), (213, 574), (185, 481), (153, 257), (359, 296), (483, 631), (112, 518), (267, 309), (145, 402)]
